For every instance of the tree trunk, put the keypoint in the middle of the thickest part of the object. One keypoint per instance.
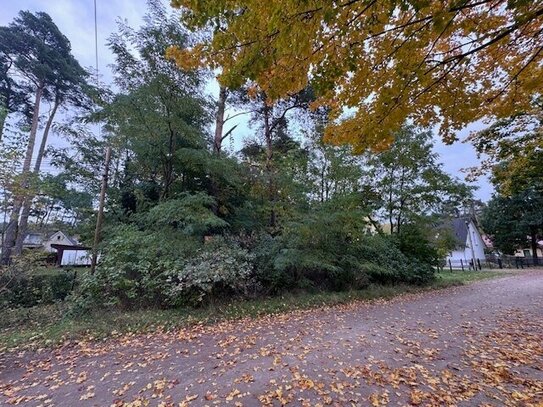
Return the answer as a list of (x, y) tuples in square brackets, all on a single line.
[(49, 212), (402, 201), (11, 230), (217, 144), (533, 238), (3, 117), (23, 222), (390, 206), (269, 170), (219, 121), (100, 217), (322, 181), (167, 167), (4, 218)]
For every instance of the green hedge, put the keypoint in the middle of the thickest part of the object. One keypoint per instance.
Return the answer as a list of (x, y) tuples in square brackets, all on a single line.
[(29, 290)]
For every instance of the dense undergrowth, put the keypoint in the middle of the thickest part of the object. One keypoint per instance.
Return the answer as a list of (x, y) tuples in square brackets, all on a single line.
[(47, 325)]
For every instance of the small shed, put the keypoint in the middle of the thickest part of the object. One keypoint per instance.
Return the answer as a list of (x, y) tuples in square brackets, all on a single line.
[(72, 255)]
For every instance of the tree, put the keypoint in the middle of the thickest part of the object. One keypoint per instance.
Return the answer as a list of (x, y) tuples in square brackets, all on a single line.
[(510, 220), (512, 148), (11, 154), (333, 170), (158, 120), (272, 121), (70, 87), (12, 97), (408, 181), (41, 60), (453, 61), (56, 197)]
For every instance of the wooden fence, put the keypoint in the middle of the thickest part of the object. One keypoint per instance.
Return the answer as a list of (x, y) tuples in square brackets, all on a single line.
[(492, 262)]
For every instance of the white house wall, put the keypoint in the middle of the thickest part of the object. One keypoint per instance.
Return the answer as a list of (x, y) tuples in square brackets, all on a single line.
[(457, 255), (56, 238), (478, 243), (520, 252)]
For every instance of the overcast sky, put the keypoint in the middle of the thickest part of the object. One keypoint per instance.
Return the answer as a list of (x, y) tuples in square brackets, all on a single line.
[(75, 18)]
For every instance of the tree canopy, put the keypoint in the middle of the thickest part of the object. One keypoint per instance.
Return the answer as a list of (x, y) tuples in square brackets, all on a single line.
[(512, 150), (514, 155), (408, 181), (452, 62), (515, 222)]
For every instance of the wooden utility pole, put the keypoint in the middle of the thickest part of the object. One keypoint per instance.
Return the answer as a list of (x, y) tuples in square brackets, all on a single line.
[(100, 217)]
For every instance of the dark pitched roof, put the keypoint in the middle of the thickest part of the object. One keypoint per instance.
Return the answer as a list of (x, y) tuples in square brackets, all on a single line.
[(456, 227), (460, 230)]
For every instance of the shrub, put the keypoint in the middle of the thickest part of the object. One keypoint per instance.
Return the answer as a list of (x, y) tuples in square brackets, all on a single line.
[(413, 242), (387, 264), (25, 283), (190, 214), (219, 269), (135, 266), (332, 250), (314, 252), (265, 249), (139, 260), (161, 258)]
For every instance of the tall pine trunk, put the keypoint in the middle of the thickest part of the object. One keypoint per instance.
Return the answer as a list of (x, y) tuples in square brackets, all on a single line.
[(219, 121), (217, 143), (23, 222), (269, 168), (10, 236)]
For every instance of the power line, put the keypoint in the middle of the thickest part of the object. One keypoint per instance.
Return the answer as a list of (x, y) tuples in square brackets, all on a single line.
[(96, 54), (96, 40)]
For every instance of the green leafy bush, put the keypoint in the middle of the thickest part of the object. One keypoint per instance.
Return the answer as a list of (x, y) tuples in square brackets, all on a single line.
[(219, 269), (332, 249), (135, 266), (190, 214), (139, 259), (25, 283), (161, 258), (413, 241), (387, 264), (313, 252)]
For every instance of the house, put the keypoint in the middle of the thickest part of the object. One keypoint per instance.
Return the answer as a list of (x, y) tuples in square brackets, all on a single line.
[(469, 242), (528, 252), (35, 240), (58, 238), (69, 252)]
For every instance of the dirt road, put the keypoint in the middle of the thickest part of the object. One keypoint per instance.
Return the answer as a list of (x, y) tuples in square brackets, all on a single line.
[(480, 344)]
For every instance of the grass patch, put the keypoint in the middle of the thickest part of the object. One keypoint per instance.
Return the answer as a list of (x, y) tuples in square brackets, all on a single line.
[(51, 324), (465, 277)]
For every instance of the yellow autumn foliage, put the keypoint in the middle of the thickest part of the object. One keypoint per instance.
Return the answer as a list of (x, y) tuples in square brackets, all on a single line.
[(432, 61)]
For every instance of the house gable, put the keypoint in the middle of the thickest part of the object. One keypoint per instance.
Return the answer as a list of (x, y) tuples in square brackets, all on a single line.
[(468, 238), (57, 238)]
